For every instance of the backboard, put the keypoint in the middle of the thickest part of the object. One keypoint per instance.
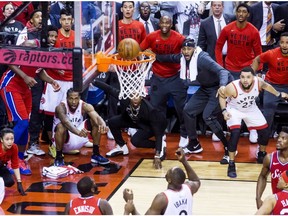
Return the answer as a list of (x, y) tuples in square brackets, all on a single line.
[(95, 30)]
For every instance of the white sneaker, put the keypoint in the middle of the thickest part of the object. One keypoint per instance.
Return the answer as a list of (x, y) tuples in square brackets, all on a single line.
[(163, 150), (118, 151), (131, 131), (183, 142), (88, 144), (253, 136), (110, 135), (215, 138), (35, 149)]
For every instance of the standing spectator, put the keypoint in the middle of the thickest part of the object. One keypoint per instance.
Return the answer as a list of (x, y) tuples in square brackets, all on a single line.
[(274, 164), (198, 65), (177, 189), (209, 29), (276, 204), (137, 113), (87, 203), (9, 154), (281, 17), (57, 6), (70, 129), (243, 42), (22, 17), (129, 28), (16, 84), (277, 60), (240, 105), (150, 23), (13, 28), (166, 79), (243, 45)]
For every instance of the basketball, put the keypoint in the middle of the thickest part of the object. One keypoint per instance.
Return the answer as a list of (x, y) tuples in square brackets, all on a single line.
[(128, 49)]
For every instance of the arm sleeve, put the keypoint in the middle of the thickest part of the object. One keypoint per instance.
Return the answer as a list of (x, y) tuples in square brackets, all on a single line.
[(171, 58), (108, 89)]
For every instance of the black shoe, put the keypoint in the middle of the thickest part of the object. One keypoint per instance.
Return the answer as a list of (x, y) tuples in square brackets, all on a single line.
[(231, 172), (260, 156), (59, 162), (190, 149), (225, 160)]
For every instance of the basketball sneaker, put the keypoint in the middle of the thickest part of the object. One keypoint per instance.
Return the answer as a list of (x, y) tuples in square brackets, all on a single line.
[(231, 172), (23, 167), (260, 156), (183, 142), (225, 159), (110, 135), (9, 167), (215, 138), (35, 149), (52, 151), (193, 148), (131, 131), (59, 161), (99, 159), (88, 144), (118, 151)]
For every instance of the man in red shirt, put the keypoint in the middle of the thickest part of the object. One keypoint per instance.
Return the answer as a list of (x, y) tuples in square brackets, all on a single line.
[(243, 42), (276, 204), (129, 28), (86, 203), (166, 80), (274, 163), (277, 60)]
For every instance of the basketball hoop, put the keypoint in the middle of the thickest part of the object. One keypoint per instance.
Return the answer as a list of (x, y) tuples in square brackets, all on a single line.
[(131, 73)]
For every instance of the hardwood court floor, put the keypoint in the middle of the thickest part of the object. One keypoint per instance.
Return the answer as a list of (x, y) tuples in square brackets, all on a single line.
[(217, 195)]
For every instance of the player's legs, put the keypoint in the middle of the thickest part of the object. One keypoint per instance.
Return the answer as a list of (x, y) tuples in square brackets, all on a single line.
[(115, 124), (256, 120), (194, 107), (234, 123), (96, 135), (60, 138)]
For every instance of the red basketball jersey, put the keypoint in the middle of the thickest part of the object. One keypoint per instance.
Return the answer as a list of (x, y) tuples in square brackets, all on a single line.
[(85, 206), (281, 207), (276, 168)]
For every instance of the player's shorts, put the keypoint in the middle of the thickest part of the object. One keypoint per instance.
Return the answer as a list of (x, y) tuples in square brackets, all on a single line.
[(253, 119), (18, 105), (73, 141), (50, 99)]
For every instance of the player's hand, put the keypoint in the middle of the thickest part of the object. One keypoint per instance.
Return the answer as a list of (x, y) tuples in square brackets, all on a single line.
[(226, 115), (129, 207), (180, 154), (56, 86), (259, 203), (103, 129), (20, 189), (30, 81), (284, 95), (84, 132), (221, 92), (157, 163), (128, 194)]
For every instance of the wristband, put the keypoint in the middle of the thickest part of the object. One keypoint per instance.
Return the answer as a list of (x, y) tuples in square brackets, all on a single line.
[(223, 110)]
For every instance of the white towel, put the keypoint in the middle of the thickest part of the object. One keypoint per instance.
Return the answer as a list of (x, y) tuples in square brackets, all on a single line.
[(193, 72)]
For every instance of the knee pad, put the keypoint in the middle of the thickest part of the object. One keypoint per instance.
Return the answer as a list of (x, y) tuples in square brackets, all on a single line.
[(234, 138), (213, 124)]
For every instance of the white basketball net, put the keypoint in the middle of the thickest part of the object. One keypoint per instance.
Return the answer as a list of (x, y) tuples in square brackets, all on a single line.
[(132, 78)]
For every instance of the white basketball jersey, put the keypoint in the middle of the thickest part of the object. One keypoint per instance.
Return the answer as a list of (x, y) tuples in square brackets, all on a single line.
[(244, 100), (179, 202), (76, 118)]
